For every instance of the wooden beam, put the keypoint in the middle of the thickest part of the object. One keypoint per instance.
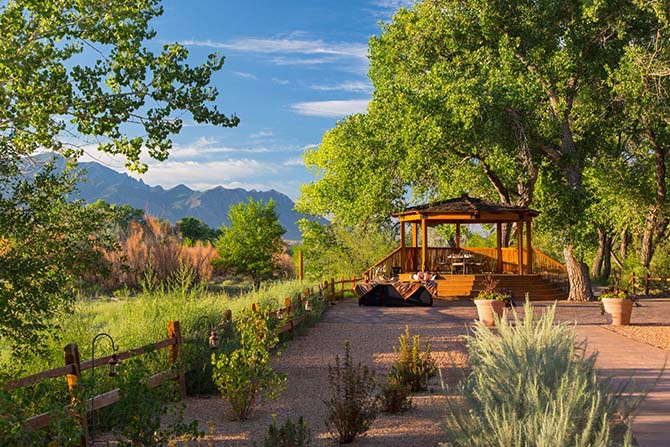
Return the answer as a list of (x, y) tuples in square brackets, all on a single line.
[(519, 245), (424, 244), (458, 236), (499, 259), (403, 253), (529, 249), (415, 235)]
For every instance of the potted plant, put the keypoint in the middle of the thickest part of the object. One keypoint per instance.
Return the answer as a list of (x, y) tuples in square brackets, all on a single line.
[(618, 304), (490, 302)]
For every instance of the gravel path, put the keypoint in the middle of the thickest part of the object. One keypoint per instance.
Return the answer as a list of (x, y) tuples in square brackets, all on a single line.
[(372, 333)]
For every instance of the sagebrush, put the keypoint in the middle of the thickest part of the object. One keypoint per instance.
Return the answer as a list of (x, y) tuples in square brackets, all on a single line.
[(531, 384), (289, 434)]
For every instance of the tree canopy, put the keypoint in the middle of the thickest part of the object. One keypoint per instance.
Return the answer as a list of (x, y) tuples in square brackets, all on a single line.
[(517, 101)]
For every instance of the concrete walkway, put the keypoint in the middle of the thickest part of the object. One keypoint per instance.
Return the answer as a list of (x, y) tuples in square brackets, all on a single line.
[(622, 357)]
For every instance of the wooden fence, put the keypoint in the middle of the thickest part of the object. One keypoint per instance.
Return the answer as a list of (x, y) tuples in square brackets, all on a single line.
[(329, 291), (643, 283)]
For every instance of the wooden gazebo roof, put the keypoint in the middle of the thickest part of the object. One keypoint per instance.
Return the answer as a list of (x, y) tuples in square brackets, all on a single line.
[(466, 209)]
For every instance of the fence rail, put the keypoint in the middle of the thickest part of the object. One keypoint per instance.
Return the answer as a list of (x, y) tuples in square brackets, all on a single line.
[(328, 291)]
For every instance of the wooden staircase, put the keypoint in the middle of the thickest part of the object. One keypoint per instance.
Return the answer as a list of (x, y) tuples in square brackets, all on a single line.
[(458, 287)]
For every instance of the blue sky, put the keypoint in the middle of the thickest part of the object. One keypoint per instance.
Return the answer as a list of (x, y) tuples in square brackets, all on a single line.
[(292, 69)]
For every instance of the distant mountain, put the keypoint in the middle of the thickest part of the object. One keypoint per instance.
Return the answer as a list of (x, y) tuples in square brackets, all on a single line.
[(210, 206)]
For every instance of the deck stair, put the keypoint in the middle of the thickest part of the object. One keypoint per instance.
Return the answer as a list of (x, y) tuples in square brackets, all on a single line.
[(456, 287)]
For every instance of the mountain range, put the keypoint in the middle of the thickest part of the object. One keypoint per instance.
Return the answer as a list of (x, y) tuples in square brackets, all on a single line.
[(211, 206)]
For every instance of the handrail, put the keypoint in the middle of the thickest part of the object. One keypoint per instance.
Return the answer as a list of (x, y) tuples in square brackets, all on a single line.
[(549, 259), (377, 264)]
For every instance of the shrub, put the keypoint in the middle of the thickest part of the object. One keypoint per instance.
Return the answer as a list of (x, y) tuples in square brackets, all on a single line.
[(141, 408), (413, 367), (245, 373), (353, 406), (531, 384), (394, 396), (288, 435)]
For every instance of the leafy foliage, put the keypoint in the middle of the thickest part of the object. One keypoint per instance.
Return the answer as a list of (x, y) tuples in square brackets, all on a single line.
[(413, 367), (290, 434), (352, 406), (252, 243), (394, 396), (49, 100), (338, 250), (141, 408), (44, 245), (532, 384), (245, 374), (193, 230)]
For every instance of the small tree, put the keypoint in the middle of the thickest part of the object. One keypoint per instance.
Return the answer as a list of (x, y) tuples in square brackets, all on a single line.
[(252, 244), (193, 229)]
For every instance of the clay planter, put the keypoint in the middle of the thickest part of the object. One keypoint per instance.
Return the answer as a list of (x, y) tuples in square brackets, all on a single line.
[(619, 309), (486, 310)]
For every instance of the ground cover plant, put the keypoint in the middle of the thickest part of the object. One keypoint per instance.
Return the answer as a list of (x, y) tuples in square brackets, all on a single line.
[(532, 384), (413, 367), (352, 407), (289, 434)]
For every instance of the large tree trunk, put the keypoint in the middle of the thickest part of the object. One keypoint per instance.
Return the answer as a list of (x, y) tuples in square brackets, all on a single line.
[(578, 275), (657, 220), (623, 248), (597, 264), (607, 258)]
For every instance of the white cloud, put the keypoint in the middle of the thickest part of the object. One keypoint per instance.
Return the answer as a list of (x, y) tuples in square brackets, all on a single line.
[(261, 134), (296, 161), (331, 109), (245, 75), (349, 86), (289, 46), (280, 81)]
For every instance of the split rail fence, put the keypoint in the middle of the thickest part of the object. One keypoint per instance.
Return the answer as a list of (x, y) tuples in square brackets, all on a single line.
[(329, 291)]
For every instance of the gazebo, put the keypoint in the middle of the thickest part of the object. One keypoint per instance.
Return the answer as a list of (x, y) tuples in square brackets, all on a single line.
[(469, 263), (460, 211)]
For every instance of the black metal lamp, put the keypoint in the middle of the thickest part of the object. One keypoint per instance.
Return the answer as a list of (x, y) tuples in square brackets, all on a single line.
[(113, 362)]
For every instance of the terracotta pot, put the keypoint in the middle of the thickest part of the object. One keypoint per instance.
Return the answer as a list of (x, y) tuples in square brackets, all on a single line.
[(619, 309), (487, 308)]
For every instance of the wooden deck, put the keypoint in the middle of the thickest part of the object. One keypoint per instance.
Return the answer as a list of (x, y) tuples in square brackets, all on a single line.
[(459, 287)]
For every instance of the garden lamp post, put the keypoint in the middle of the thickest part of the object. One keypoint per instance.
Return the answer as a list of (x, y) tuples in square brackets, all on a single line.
[(113, 361)]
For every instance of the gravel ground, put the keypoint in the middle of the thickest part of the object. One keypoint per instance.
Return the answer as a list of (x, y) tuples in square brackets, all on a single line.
[(372, 333), (650, 323)]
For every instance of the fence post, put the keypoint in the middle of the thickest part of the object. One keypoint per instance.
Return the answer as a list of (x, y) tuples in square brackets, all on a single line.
[(255, 307), (228, 315), (173, 331), (288, 303), (646, 284), (332, 289), (72, 358), (301, 266), (342, 286)]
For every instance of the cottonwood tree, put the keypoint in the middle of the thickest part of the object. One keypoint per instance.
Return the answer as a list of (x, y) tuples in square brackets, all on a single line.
[(502, 89), (76, 73), (251, 245)]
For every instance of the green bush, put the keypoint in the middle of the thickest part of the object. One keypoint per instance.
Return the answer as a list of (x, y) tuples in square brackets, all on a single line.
[(394, 396), (531, 385), (245, 373), (413, 367), (353, 406), (141, 410), (288, 435)]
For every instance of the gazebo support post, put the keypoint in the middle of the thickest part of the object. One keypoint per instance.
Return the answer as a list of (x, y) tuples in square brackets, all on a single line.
[(519, 245), (424, 244), (403, 253), (499, 259), (458, 237), (415, 244), (529, 248)]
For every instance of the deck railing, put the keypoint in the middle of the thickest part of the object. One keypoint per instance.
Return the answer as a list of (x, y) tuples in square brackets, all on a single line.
[(481, 260)]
